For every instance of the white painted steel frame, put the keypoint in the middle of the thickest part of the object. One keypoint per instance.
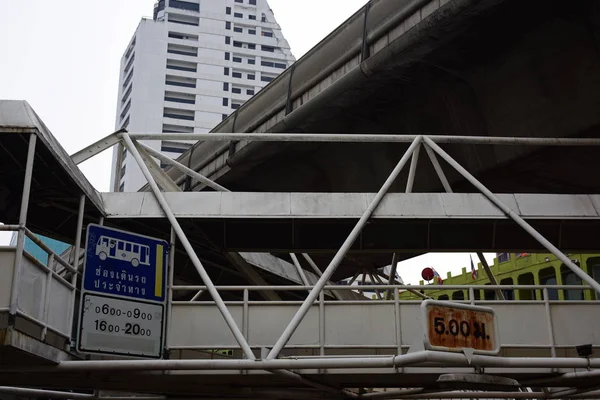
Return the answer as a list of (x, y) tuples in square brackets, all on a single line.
[(271, 362)]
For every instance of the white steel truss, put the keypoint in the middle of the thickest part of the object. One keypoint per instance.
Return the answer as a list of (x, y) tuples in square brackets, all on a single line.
[(299, 368)]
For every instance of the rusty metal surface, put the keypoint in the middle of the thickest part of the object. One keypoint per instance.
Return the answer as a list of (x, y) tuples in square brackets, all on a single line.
[(458, 328)]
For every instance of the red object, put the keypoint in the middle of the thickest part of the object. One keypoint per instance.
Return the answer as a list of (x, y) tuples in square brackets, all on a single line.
[(427, 274)]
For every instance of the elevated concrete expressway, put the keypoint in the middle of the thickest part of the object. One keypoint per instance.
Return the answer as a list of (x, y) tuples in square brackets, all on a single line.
[(502, 68), (460, 67)]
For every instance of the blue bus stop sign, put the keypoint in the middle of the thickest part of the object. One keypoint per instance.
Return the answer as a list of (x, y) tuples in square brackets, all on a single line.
[(125, 264)]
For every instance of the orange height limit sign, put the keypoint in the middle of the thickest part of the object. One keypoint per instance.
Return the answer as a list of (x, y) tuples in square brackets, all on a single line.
[(456, 326)]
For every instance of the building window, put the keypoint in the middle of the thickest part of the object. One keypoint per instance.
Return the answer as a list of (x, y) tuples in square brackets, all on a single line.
[(569, 278), (252, 31), (227, 56), (251, 61), (225, 101), (251, 77), (183, 36), (235, 106), (269, 49), (184, 19), (266, 78), (548, 277), (267, 34), (223, 117), (237, 74), (180, 81), (236, 90), (226, 71), (250, 92), (237, 44), (184, 5), (228, 10), (174, 147), (252, 17), (252, 2), (227, 25), (184, 98), (237, 59), (251, 46), (227, 40), (238, 15), (226, 86), (238, 30), (178, 114)]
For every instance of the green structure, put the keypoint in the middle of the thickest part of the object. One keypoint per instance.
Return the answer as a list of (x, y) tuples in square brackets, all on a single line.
[(522, 269)]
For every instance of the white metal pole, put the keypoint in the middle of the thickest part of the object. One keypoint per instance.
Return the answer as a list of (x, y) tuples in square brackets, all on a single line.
[(235, 330), (72, 315), (170, 283), (337, 259), (183, 168), (22, 221), (514, 216), (413, 170), (367, 138), (393, 269), (438, 168), (300, 270), (490, 275)]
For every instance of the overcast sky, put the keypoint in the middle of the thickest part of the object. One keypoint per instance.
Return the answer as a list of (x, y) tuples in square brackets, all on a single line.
[(62, 56)]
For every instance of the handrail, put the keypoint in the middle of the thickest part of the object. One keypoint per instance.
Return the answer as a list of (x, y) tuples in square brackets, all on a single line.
[(365, 138), (37, 241), (383, 287)]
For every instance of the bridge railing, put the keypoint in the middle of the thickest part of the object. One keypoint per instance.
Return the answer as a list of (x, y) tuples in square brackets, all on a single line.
[(538, 328), (41, 293)]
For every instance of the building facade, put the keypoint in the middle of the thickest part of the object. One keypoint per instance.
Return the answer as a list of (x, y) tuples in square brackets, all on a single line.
[(188, 68)]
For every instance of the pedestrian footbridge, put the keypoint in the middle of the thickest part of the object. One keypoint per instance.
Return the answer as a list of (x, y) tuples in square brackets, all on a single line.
[(278, 326)]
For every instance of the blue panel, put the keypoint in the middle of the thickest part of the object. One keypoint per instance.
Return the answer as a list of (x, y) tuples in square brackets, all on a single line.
[(38, 253), (125, 264)]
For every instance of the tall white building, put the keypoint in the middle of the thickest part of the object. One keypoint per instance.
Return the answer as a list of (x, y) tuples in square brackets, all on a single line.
[(189, 67)]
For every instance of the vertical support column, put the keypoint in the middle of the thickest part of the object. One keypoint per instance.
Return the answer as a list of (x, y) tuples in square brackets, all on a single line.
[(472, 296), (22, 222), (246, 320), (47, 290), (549, 322), (72, 315), (171, 269), (397, 323), (322, 323), (393, 269), (339, 256)]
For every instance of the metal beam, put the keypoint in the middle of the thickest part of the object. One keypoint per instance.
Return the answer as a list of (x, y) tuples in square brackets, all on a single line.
[(157, 172), (235, 330), (188, 171), (97, 147), (337, 259), (490, 275), (363, 138), (409, 359), (265, 205)]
